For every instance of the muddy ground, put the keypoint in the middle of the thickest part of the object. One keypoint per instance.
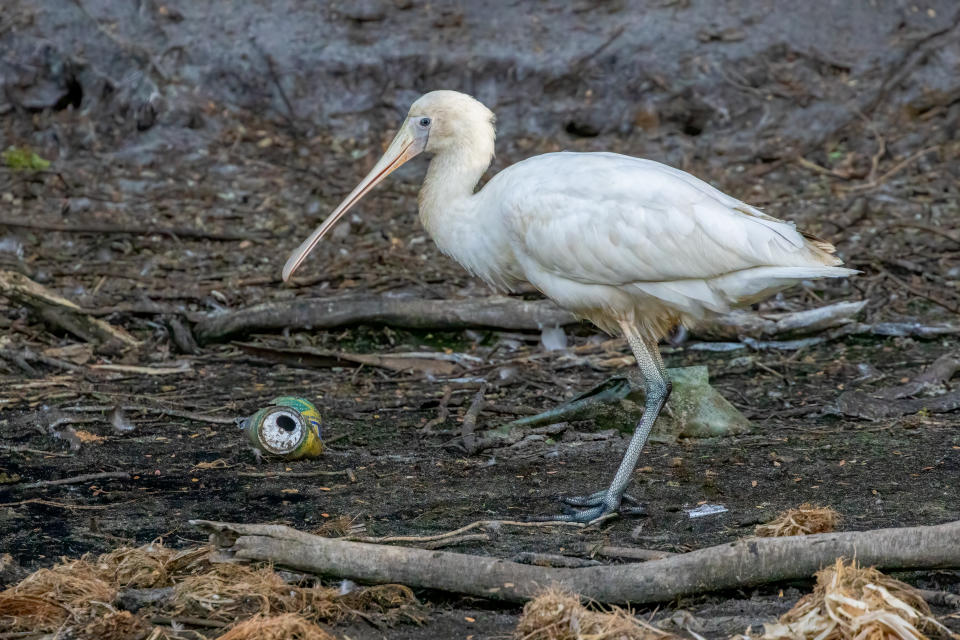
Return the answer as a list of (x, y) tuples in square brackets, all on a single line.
[(883, 187)]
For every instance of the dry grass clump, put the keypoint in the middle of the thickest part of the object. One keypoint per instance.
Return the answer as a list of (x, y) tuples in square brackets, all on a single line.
[(116, 624), (48, 598), (30, 613), (287, 626), (557, 614), (150, 566), (851, 603), (78, 596), (804, 520), (392, 601), (228, 591)]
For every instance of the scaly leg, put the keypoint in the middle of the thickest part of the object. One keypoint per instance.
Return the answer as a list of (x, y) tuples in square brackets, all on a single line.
[(657, 388)]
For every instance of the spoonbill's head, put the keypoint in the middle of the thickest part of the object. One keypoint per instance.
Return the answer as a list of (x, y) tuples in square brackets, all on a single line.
[(439, 122)]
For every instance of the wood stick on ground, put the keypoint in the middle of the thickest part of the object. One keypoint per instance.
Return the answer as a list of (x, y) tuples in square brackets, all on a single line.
[(62, 313), (479, 524), (351, 475), (744, 563), (87, 477), (328, 313), (468, 430), (497, 312), (442, 413), (135, 230), (173, 413)]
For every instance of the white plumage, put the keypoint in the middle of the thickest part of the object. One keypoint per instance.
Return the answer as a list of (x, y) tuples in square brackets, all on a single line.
[(632, 245)]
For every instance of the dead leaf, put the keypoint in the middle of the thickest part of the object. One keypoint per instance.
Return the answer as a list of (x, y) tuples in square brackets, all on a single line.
[(86, 437)]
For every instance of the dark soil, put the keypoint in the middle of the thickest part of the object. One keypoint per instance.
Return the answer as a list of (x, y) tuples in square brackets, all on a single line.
[(240, 169)]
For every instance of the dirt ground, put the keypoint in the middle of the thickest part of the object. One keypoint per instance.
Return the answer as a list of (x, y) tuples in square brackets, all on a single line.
[(884, 191)]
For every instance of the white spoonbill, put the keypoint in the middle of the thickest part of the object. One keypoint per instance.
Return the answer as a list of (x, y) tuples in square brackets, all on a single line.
[(632, 245)]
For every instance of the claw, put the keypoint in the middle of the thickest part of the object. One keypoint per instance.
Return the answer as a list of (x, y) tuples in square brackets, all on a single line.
[(593, 508)]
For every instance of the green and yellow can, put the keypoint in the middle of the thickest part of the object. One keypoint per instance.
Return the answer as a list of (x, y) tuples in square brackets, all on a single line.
[(289, 428)]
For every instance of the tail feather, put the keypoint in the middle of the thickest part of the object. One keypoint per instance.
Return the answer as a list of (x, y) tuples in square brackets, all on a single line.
[(752, 285)]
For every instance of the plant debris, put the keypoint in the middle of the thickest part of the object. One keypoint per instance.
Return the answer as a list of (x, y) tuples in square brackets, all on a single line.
[(558, 614), (851, 602), (84, 596), (288, 626), (804, 520)]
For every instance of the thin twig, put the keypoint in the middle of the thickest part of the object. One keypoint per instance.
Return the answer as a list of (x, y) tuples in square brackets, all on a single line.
[(449, 542), (19, 449), (61, 505), (889, 174), (923, 227), (923, 294), (442, 414), (131, 230), (469, 427), (291, 115), (298, 474), (189, 621), (173, 413), (464, 529), (87, 477)]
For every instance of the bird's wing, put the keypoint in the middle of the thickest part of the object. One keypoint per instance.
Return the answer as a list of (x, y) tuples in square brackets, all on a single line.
[(611, 219)]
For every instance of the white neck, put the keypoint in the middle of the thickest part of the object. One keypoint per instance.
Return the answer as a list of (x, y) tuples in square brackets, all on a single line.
[(458, 220), (448, 187)]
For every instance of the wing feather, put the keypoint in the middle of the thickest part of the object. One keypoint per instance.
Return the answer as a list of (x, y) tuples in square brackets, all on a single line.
[(600, 218)]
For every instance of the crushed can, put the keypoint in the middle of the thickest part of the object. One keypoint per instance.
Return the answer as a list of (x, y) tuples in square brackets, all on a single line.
[(288, 428)]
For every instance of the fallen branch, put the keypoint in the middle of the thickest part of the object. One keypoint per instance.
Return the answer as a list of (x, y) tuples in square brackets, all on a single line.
[(329, 313), (495, 312), (740, 564), (62, 313)]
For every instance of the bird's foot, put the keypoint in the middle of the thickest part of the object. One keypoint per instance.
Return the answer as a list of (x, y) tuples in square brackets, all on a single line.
[(596, 506)]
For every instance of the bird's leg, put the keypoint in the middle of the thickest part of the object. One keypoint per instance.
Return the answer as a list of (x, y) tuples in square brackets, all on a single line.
[(657, 388)]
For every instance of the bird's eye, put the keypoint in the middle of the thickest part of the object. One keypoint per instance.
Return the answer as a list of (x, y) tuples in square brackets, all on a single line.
[(424, 122)]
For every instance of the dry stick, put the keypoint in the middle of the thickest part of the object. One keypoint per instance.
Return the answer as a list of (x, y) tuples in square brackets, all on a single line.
[(87, 477), (497, 312), (327, 313), (20, 449), (173, 413), (189, 621), (744, 563), (134, 230), (949, 306), (923, 227), (298, 474), (449, 542), (464, 529), (60, 312), (443, 413), (889, 174), (469, 427), (62, 505)]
